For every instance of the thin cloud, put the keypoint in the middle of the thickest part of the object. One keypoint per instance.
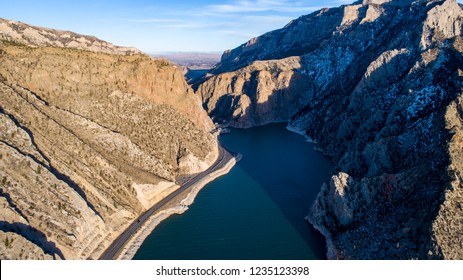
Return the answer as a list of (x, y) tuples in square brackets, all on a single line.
[(187, 25), (246, 6), (270, 19), (197, 24), (156, 20)]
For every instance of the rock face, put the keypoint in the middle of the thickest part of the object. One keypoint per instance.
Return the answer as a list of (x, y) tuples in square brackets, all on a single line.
[(97, 71), (383, 92), (88, 141), (263, 92), (34, 36)]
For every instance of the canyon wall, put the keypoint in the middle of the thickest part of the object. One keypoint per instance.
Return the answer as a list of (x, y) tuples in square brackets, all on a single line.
[(89, 139), (382, 87)]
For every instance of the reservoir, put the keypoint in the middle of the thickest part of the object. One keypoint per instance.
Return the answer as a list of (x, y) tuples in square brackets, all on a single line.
[(254, 212)]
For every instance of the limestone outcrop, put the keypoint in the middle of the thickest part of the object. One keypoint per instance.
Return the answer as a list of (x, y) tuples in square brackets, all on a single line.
[(88, 141), (261, 93), (34, 36), (383, 91)]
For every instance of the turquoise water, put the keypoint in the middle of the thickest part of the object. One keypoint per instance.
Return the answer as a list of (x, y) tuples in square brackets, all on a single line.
[(254, 212)]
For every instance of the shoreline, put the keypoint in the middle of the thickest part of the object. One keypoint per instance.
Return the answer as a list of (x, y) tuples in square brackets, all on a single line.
[(297, 130), (330, 249), (133, 245)]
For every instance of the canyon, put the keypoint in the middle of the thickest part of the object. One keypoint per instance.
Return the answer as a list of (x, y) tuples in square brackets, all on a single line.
[(91, 136), (378, 86), (94, 134)]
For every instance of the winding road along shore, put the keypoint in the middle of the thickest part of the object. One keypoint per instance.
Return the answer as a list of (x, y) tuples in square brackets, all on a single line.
[(115, 248)]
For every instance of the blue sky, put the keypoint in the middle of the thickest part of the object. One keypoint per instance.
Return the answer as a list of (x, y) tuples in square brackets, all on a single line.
[(168, 25)]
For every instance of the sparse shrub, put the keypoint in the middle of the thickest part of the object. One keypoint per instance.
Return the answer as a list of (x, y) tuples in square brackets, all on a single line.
[(8, 242)]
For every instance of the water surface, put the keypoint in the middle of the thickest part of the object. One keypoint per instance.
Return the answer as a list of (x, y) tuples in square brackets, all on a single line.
[(254, 212)]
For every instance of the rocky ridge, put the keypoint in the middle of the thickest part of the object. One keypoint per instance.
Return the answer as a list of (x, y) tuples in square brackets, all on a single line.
[(88, 141), (34, 36), (382, 83)]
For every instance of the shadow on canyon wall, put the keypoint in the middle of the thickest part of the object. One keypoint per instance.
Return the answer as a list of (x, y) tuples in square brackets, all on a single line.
[(33, 235)]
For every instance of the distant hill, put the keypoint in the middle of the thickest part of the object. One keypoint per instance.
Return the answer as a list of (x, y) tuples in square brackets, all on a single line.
[(192, 60), (34, 36)]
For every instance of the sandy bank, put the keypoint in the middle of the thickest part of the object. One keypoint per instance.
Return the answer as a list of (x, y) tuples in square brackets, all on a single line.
[(132, 246)]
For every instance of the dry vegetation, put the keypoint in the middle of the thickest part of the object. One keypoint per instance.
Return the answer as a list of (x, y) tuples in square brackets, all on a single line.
[(78, 130)]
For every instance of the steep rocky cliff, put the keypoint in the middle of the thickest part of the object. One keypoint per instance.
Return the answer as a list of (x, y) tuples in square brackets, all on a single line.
[(263, 92), (382, 82), (88, 141)]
